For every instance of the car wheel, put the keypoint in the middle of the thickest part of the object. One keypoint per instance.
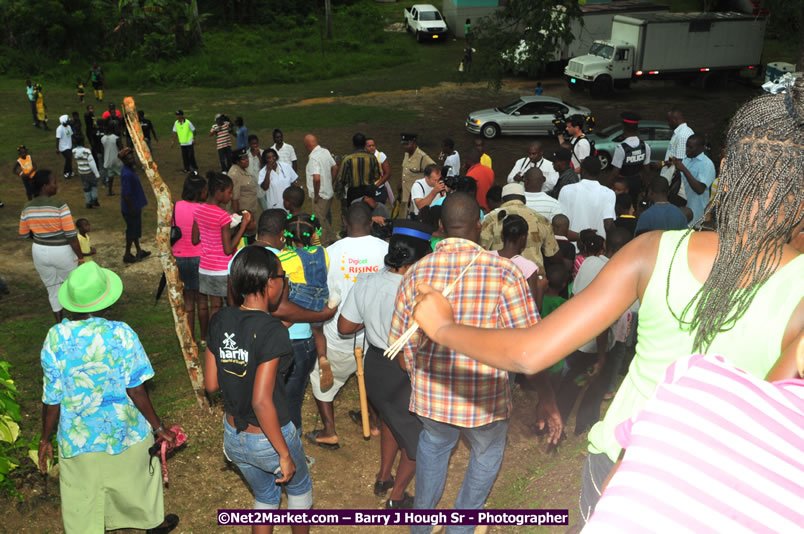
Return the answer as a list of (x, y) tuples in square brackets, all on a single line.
[(605, 159), (418, 37), (490, 130), (601, 87)]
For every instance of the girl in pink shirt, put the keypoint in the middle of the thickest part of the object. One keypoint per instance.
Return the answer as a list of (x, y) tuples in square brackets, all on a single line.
[(211, 228), (188, 256), (515, 235)]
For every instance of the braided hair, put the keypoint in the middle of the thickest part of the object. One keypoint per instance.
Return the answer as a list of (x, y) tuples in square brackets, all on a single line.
[(300, 229), (589, 243), (514, 227), (759, 203)]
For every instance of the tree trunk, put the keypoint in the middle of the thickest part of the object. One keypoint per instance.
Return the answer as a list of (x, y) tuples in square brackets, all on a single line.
[(328, 16), (164, 212)]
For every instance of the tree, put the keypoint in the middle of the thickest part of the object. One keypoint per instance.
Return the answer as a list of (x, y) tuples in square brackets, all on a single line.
[(524, 34), (786, 20)]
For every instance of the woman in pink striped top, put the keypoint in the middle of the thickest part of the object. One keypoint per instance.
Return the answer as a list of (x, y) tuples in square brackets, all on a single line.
[(211, 228), (714, 450)]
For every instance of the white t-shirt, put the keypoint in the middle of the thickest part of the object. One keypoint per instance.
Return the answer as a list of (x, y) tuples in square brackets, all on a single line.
[(590, 268), (580, 148), (523, 165), (320, 162), (65, 136), (110, 150), (587, 204), (543, 204), (286, 153), (619, 153), (282, 178), (254, 163), (454, 162), (420, 189), (348, 258), (381, 157)]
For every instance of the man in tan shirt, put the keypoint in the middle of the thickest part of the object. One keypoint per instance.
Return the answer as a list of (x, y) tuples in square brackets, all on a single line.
[(541, 243), (413, 165), (244, 185)]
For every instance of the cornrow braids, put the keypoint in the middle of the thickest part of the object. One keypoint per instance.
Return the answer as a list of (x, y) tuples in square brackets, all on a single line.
[(759, 203), (300, 229)]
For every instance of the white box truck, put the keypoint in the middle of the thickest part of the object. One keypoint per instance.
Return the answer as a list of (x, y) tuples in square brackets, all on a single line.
[(668, 45)]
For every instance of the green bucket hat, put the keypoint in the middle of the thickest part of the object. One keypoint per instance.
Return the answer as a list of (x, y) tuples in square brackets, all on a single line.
[(90, 288)]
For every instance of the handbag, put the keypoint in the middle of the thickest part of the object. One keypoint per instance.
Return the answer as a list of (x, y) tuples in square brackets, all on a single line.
[(175, 231)]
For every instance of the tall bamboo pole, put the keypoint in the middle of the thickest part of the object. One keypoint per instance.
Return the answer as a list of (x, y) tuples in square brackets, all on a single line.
[(164, 210)]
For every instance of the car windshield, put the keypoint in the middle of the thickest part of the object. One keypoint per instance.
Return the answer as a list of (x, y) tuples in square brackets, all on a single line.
[(602, 50), (429, 15), (609, 130), (510, 107)]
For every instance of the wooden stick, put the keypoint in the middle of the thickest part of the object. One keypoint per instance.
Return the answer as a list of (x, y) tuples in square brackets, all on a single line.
[(361, 387), (399, 344), (164, 210)]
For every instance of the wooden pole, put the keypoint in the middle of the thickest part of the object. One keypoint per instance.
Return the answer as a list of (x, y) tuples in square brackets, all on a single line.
[(361, 387), (164, 210)]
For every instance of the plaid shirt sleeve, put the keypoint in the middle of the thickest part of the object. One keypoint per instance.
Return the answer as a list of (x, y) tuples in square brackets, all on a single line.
[(517, 308), (402, 320)]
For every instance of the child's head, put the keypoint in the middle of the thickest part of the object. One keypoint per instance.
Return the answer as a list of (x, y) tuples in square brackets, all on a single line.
[(195, 188), (22, 150), (238, 121), (514, 230), (83, 226), (300, 229), (80, 82), (561, 225), (76, 117), (623, 205), (590, 244), (219, 186), (494, 197), (616, 238), (621, 186), (293, 198), (557, 276), (78, 140)]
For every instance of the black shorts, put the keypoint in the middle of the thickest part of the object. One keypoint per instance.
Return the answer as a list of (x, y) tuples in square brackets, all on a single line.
[(133, 225)]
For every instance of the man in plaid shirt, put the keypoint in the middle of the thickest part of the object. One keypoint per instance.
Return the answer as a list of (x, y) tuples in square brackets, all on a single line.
[(451, 393)]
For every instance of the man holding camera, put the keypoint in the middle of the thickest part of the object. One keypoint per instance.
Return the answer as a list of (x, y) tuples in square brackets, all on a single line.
[(534, 159), (579, 145), (427, 190), (413, 165)]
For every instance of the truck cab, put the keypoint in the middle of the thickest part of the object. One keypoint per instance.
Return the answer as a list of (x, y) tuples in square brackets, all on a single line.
[(607, 63), (426, 22)]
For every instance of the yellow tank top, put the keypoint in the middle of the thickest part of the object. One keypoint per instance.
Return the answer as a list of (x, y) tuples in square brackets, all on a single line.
[(27, 166)]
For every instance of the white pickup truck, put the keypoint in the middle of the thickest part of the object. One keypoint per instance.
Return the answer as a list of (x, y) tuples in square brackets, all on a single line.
[(426, 22)]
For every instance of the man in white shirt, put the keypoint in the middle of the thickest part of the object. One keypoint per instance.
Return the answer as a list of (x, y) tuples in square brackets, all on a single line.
[(273, 179), (678, 145), (450, 157), (588, 204), (286, 152), (321, 167), (64, 144), (579, 144), (535, 158), (536, 199), (359, 252), (427, 190)]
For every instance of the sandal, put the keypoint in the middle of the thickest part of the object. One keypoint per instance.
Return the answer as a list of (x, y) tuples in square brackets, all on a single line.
[(171, 522), (312, 437), (326, 380)]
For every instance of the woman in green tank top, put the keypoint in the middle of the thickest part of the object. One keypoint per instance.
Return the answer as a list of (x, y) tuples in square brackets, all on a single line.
[(736, 292)]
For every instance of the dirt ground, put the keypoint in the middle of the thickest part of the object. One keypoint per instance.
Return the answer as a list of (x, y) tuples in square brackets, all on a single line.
[(200, 481)]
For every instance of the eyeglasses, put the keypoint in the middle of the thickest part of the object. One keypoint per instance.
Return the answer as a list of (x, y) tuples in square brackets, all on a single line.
[(276, 276)]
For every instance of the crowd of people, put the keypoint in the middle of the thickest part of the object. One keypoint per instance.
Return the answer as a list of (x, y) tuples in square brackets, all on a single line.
[(563, 277)]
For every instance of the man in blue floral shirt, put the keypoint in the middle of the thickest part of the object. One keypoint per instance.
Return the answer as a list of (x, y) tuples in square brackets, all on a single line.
[(94, 390)]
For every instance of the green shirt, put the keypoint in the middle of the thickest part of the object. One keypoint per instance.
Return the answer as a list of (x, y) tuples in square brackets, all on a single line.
[(753, 344)]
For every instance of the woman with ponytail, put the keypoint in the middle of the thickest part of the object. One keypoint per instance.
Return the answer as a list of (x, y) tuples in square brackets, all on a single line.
[(370, 305)]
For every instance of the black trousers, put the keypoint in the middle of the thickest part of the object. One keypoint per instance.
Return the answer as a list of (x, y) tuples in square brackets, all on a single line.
[(68, 161), (188, 158)]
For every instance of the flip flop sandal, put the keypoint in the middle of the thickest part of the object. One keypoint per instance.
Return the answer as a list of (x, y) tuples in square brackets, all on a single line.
[(381, 487), (312, 437), (325, 374)]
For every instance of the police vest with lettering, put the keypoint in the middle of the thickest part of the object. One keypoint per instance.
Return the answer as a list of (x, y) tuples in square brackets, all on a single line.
[(633, 159)]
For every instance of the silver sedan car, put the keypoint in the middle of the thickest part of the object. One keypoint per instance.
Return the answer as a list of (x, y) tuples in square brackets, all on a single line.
[(530, 115)]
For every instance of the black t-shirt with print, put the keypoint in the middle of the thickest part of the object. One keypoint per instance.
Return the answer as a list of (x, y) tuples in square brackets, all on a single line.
[(241, 340)]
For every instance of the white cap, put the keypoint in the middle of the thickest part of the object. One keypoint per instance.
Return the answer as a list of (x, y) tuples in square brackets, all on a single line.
[(64, 119)]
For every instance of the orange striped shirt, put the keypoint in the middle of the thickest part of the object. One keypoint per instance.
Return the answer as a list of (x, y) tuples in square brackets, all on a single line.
[(49, 220)]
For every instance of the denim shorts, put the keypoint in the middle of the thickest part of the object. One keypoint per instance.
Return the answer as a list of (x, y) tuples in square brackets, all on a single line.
[(309, 297), (256, 458), (188, 271)]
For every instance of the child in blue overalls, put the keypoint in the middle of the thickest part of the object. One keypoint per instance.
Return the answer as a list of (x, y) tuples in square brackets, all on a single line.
[(300, 232)]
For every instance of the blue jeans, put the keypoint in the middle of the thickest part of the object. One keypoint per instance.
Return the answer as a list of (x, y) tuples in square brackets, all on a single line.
[(436, 442), (256, 458), (304, 357)]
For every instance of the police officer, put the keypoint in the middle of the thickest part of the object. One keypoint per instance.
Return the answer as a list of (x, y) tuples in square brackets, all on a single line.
[(413, 165), (631, 156)]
